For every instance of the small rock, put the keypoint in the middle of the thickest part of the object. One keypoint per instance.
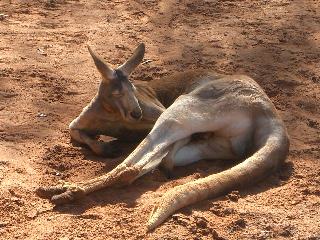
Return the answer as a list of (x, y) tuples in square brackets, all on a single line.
[(120, 46), (42, 52), (4, 162), (264, 235), (234, 196), (237, 225), (240, 222), (17, 201), (316, 237), (3, 224), (20, 170), (215, 234), (205, 231), (3, 16), (295, 202), (306, 191), (41, 115), (217, 212), (33, 214), (285, 233), (146, 61), (181, 219), (228, 211), (201, 223), (222, 212)]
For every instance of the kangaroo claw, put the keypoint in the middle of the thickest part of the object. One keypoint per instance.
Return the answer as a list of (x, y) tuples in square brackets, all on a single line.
[(48, 192), (70, 194)]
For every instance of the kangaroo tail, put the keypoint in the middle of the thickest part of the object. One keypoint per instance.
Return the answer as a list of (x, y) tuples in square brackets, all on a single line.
[(272, 149)]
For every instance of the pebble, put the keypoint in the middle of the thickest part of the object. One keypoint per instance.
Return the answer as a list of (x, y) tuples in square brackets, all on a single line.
[(3, 16), (240, 222), (3, 224), (201, 223), (234, 196), (33, 214), (41, 115)]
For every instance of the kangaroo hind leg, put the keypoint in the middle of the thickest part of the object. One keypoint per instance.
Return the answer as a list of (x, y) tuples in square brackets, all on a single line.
[(209, 146)]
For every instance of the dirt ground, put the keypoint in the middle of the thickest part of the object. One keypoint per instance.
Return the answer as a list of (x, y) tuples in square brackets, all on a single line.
[(47, 77)]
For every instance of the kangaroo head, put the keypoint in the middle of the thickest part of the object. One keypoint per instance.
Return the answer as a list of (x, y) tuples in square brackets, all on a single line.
[(116, 91)]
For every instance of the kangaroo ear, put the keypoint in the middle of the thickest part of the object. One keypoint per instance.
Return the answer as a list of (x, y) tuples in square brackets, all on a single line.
[(106, 71), (133, 61)]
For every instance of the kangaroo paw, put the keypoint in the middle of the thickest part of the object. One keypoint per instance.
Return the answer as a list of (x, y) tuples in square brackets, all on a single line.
[(61, 194), (110, 149)]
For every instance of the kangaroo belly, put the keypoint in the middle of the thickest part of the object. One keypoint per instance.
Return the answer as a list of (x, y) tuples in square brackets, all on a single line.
[(239, 131)]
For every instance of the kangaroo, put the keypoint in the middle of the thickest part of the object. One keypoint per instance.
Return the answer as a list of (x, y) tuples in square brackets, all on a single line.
[(197, 115)]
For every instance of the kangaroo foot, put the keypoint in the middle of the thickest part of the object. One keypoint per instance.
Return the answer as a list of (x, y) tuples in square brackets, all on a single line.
[(67, 192)]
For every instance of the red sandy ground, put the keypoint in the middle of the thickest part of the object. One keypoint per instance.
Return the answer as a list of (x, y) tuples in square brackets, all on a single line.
[(46, 69)]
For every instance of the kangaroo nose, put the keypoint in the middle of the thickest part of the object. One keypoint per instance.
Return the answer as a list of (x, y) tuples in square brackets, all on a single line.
[(136, 114)]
